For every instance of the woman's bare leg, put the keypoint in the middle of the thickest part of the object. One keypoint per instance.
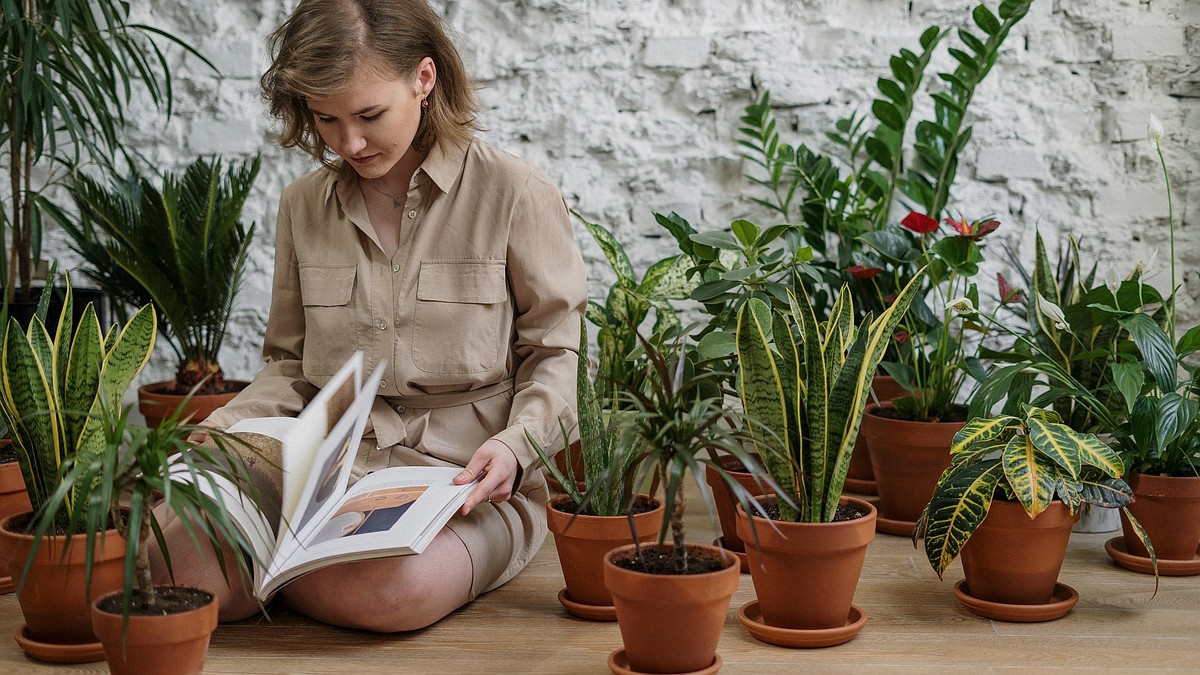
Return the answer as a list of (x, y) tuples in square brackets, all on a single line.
[(388, 595)]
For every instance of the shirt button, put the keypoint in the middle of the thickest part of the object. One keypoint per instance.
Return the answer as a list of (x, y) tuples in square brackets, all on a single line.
[(383, 384), (395, 268), (399, 408), (382, 325), (412, 214), (417, 179)]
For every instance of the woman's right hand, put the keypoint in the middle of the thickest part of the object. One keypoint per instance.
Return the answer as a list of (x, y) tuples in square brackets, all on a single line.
[(199, 436)]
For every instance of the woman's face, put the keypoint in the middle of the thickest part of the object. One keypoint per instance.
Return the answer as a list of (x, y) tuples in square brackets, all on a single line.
[(372, 122)]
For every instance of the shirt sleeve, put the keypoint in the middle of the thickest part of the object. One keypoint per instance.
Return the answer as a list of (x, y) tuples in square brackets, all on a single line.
[(280, 388), (549, 290)]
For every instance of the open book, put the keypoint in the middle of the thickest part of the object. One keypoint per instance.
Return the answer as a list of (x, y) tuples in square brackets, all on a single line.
[(393, 511)]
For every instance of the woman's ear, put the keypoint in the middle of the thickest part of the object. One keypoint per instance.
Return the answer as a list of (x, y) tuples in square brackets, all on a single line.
[(426, 77)]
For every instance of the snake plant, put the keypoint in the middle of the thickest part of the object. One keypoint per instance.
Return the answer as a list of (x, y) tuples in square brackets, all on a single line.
[(804, 386), (54, 387), (1033, 459)]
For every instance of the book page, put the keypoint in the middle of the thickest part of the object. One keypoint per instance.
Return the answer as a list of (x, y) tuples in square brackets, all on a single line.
[(395, 511)]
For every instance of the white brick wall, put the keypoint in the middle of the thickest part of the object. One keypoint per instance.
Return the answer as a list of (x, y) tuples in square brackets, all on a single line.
[(631, 106)]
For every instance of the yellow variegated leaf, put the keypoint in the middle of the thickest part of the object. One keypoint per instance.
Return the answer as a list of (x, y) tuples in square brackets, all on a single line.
[(1031, 479), (981, 430)]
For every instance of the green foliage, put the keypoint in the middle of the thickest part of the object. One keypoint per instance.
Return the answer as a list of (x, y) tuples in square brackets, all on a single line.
[(183, 249), (53, 389), (680, 424), (1034, 459), (608, 456), (132, 470), (804, 386), (627, 307), (68, 74)]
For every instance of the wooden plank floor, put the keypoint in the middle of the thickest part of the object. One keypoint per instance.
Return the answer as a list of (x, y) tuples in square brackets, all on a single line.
[(914, 624)]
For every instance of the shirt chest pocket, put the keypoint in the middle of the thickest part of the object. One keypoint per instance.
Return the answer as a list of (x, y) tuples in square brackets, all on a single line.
[(327, 292), (460, 308)]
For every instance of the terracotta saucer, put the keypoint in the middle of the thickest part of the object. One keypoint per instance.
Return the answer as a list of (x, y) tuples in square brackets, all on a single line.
[(1061, 602), (719, 542), (900, 528), (861, 486), (751, 617), (55, 653), (620, 665), (1115, 548), (591, 612)]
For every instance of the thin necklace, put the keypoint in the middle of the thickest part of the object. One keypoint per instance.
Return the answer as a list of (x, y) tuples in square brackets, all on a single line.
[(395, 199)]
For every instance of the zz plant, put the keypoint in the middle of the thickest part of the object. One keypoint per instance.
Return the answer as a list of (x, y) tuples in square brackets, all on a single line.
[(1032, 459)]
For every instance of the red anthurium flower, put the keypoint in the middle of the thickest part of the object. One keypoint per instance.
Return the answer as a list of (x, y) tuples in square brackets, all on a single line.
[(863, 272), (973, 231), (900, 337), (889, 299), (1007, 293), (919, 223)]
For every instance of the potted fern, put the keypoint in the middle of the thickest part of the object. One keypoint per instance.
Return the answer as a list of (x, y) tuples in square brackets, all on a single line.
[(52, 387), (1007, 504), (599, 510), (804, 386), (183, 249)]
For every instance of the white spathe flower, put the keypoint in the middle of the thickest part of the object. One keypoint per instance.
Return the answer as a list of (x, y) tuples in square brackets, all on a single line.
[(961, 305), (1155, 129), (1053, 312)]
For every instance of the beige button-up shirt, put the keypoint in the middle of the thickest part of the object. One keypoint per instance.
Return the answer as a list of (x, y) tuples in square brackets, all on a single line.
[(480, 306)]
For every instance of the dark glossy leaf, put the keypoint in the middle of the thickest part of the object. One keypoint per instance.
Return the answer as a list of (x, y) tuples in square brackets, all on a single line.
[(892, 245), (1158, 353), (1129, 379), (986, 20), (1175, 415), (890, 89), (887, 114)]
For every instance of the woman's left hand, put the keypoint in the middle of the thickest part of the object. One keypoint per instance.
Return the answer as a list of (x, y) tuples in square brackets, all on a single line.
[(496, 466)]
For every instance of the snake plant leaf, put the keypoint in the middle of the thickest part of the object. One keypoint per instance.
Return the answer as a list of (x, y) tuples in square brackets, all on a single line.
[(27, 387), (1031, 478), (839, 332), (982, 430), (816, 386), (82, 380), (788, 353), (761, 389), (956, 511), (121, 365)]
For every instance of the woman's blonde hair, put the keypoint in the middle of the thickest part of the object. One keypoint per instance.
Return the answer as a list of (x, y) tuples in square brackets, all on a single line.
[(316, 52)]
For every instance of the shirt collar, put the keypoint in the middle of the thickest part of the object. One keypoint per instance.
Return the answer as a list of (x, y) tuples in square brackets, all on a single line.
[(443, 165)]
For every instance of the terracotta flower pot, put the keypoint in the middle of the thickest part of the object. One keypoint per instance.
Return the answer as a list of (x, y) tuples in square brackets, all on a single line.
[(583, 540), (1015, 560), (52, 597), (860, 478), (724, 501), (13, 500), (671, 623), (908, 457), (1168, 507), (805, 574), (155, 405), (167, 644)]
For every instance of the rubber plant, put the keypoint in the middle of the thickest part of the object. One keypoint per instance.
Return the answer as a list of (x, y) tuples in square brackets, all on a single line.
[(182, 248), (1033, 459)]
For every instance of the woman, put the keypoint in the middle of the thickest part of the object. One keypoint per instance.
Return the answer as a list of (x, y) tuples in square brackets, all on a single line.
[(426, 249)]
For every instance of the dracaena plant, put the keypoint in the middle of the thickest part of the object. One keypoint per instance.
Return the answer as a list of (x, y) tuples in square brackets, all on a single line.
[(182, 248), (1033, 459), (804, 386)]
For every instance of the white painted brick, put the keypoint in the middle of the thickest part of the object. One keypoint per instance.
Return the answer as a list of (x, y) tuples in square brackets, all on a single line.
[(1147, 42), (1002, 163), (1115, 205), (676, 52), (235, 58), (209, 136)]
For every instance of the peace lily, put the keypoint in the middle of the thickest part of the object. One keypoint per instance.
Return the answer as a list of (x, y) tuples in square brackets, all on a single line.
[(961, 305), (1155, 129), (1053, 312)]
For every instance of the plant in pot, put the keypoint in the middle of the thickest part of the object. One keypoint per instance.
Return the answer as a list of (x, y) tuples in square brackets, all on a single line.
[(807, 383), (52, 388), (1007, 504), (846, 197), (148, 629), (68, 76), (599, 510), (183, 249), (671, 597)]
